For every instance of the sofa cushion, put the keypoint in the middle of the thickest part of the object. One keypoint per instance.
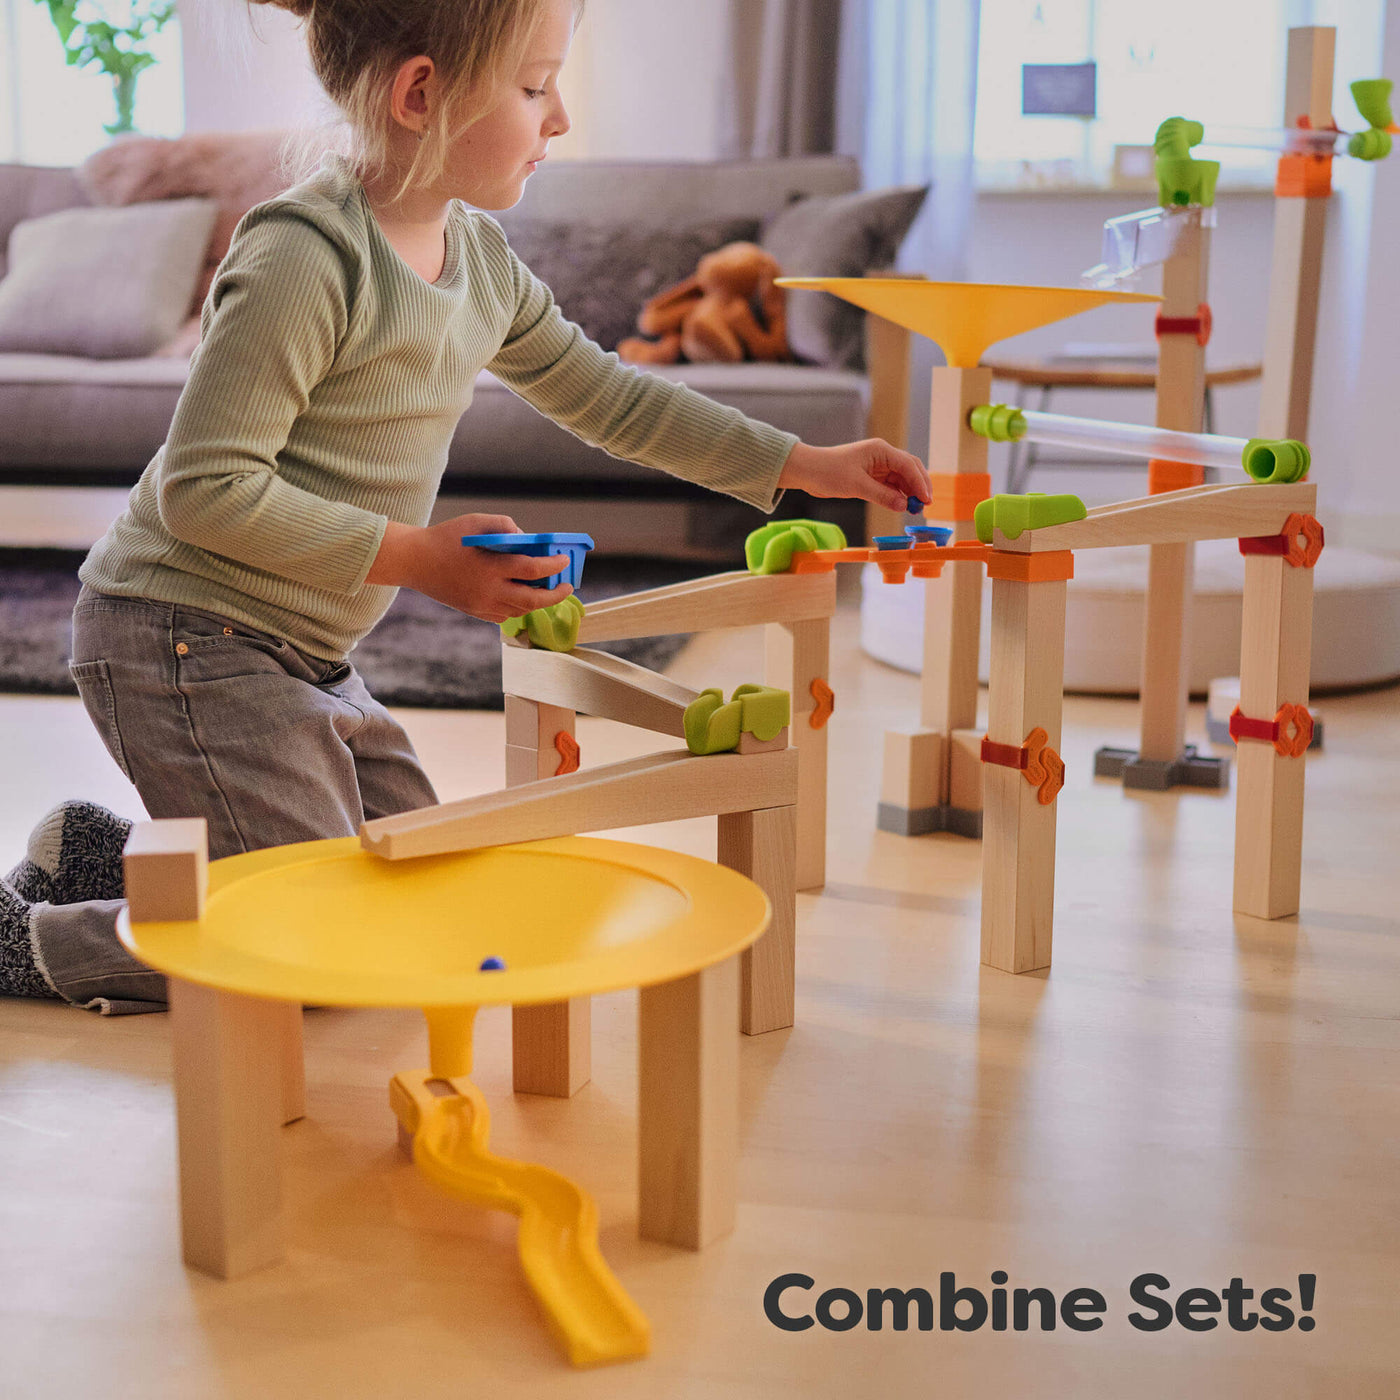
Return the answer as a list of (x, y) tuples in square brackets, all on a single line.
[(71, 415), (843, 235), (502, 436), (602, 274), (27, 191), (103, 283)]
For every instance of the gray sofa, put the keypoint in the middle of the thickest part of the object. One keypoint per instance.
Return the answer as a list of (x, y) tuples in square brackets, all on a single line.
[(71, 421)]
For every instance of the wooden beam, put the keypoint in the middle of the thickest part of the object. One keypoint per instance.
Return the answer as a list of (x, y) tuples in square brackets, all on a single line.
[(596, 683), (763, 846), (1200, 513), (658, 787), (738, 599)]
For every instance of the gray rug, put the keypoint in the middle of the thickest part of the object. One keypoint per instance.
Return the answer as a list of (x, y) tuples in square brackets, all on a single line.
[(421, 654)]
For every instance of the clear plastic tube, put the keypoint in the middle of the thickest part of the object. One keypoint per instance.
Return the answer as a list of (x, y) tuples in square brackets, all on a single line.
[(1133, 440)]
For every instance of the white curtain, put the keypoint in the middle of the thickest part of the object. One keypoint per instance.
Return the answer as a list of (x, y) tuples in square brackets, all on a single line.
[(907, 93), (779, 97)]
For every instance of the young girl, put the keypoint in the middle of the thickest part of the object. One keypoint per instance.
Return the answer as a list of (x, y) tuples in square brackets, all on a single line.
[(339, 345)]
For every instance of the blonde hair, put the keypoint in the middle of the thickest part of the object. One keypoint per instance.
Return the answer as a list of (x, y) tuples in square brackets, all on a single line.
[(356, 48)]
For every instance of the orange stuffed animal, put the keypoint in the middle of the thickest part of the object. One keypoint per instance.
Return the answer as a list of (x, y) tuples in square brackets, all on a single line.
[(710, 316)]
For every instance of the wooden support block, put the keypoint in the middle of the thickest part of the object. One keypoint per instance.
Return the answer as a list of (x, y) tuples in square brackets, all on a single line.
[(1275, 654), (551, 1051), (913, 776), (762, 845), (749, 743), (551, 1048), (795, 655), (688, 1107), (229, 1101), (1181, 389), (166, 865), (658, 787), (1166, 632), (953, 603), (293, 1063), (887, 361), (965, 770), (737, 599), (595, 683), (1295, 275), (1018, 832)]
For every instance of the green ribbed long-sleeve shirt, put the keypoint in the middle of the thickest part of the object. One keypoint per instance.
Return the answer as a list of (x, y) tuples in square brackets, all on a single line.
[(323, 397)]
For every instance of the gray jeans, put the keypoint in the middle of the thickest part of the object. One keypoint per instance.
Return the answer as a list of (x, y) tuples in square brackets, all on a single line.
[(210, 718)]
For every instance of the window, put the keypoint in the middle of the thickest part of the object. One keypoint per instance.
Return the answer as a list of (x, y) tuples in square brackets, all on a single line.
[(1214, 62), (51, 114)]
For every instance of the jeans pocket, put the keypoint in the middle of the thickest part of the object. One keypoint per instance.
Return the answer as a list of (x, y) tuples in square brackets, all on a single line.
[(94, 682)]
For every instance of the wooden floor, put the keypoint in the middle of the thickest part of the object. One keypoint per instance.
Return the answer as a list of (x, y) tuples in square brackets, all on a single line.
[(1185, 1094)]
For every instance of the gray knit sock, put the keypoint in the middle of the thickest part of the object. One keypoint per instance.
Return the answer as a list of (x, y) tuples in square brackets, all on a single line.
[(19, 973), (74, 855)]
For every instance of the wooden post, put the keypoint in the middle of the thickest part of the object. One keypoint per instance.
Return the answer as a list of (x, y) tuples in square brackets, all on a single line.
[(238, 1071), (795, 655), (1275, 653), (1018, 834), (952, 621), (887, 361), (688, 1107), (551, 1050), (1299, 229), (762, 845), (1181, 381)]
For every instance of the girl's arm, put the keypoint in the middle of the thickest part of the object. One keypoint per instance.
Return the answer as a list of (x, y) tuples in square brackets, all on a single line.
[(644, 418), (275, 315)]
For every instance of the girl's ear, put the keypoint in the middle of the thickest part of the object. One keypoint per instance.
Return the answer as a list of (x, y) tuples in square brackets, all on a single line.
[(410, 100)]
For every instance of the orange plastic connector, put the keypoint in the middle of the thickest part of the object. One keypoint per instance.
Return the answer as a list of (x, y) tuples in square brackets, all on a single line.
[(824, 561), (1172, 476), (1300, 542), (1050, 567), (1290, 731), (956, 495), (566, 746), (1042, 767), (826, 703), (1198, 325)]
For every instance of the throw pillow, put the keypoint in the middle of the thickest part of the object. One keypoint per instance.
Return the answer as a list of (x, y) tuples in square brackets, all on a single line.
[(601, 275), (844, 235), (237, 169), (107, 284)]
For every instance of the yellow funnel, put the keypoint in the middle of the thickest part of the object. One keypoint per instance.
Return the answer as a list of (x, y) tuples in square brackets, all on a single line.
[(962, 318)]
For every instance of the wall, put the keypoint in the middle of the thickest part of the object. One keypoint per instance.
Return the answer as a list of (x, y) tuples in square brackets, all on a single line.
[(636, 59)]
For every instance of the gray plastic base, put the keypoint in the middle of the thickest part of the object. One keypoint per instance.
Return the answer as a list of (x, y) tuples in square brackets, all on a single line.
[(920, 821), (1218, 731), (1158, 775)]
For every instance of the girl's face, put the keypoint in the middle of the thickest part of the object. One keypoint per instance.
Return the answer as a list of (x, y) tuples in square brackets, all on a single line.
[(490, 162)]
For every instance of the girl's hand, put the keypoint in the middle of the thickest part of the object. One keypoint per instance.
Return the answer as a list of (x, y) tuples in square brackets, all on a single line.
[(869, 471), (480, 582)]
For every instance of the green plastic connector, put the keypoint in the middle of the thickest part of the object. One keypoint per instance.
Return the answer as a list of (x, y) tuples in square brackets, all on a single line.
[(766, 710), (1372, 98), (712, 726), (998, 422), (769, 549), (1369, 145), (1181, 179), (554, 628), (1279, 461), (1014, 514)]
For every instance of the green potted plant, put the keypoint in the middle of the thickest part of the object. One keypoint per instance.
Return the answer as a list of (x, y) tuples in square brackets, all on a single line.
[(90, 37)]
